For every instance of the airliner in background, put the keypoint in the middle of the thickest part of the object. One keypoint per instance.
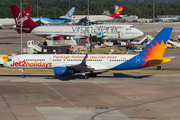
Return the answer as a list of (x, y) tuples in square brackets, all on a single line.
[(97, 18), (106, 31), (68, 64), (66, 18), (10, 21)]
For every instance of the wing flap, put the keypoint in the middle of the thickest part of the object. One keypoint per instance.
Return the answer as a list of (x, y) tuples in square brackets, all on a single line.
[(81, 66)]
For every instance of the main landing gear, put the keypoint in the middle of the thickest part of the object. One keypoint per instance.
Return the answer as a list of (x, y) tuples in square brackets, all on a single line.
[(86, 76), (23, 75)]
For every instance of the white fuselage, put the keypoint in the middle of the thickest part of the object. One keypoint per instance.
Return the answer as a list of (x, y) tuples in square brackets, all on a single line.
[(93, 18), (114, 31), (49, 61), (7, 22)]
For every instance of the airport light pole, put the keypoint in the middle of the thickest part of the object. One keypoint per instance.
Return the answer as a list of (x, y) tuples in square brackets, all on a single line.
[(37, 10), (21, 24), (69, 4), (153, 19), (88, 26)]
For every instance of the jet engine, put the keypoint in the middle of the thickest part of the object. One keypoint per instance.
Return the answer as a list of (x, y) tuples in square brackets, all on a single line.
[(61, 71)]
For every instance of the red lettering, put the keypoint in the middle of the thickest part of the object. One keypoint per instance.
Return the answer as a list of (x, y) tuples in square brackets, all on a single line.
[(23, 63), (50, 64), (13, 64), (19, 63)]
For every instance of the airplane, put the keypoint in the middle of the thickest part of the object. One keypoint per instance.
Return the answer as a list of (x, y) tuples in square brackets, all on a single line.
[(103, 31), (68, 64), (97, 18), (10, 21), (127, 51), (66, 18)]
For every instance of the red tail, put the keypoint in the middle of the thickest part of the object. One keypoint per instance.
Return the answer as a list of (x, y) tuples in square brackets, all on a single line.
[(28, 10), (27, 23), (117, 12)]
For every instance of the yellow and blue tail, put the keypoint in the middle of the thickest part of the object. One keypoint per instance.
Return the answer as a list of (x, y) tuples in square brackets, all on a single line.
[(151, 55), (155, 49)]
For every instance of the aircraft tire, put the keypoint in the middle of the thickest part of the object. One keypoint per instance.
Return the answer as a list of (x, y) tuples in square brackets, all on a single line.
[(85, 77), (23, 76), (93, 75)]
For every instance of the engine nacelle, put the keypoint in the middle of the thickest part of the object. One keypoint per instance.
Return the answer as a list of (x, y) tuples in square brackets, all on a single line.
[(63, 71)]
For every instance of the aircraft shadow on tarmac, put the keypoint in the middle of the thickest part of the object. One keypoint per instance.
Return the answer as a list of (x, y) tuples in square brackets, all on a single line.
[(74, 77), (77, 76), (8, 37)]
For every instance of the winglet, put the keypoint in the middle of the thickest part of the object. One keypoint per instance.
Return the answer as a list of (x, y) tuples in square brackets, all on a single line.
[(127, 51), (69, 14), (85, 59)]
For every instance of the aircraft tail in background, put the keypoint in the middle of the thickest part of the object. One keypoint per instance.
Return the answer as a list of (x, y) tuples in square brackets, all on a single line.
[(69, 14), (27, 23), (117, 12)]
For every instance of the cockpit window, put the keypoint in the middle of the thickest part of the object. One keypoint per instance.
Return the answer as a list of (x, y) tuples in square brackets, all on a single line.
[(132, 27), (9, 60)]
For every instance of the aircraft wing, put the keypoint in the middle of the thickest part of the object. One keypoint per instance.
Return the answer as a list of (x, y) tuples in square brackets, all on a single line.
[(81, 66), (50, 35), (92, 20)]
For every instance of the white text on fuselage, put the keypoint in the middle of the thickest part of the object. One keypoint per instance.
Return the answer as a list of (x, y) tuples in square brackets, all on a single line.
[(95, 29)]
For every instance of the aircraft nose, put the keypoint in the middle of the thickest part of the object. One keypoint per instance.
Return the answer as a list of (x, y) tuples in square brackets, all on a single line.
[(141, 33), (4, 65)]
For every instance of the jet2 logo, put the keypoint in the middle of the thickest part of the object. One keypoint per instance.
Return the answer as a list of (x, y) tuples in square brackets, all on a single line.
[(18, 19), (30, 64), (70, 15)]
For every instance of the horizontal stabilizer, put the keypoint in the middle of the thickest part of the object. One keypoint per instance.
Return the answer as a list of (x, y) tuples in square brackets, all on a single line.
[(157, 61), (154, 62)]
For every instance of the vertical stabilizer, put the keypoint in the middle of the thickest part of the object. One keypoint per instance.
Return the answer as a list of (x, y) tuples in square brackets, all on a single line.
[(69, 14), (155, 49), (117, 12), (27, 23)]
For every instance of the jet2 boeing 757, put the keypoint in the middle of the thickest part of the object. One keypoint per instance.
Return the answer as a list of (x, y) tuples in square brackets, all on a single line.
[(68, 64), (107, 31)]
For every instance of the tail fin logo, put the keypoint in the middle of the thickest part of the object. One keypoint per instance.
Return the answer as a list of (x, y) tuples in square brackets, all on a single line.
[(18, 19), (70, 15), (154, 52), (118, 10), (27, 14)]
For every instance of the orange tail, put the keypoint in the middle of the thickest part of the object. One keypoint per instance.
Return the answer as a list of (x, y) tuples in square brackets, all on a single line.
[(117, 12)]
